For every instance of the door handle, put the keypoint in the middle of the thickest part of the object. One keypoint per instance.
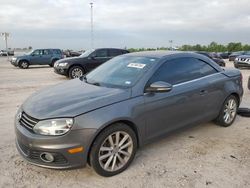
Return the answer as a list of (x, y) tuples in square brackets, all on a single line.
[(203, 92)]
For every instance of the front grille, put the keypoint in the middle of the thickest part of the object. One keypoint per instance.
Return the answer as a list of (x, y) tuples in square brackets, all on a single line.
[(34, 155), (27, 121)]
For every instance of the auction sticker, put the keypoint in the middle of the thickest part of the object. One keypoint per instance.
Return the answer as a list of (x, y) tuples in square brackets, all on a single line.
[(136, 65)]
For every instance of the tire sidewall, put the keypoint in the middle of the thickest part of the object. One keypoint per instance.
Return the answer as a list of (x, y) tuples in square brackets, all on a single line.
[(94, 153)]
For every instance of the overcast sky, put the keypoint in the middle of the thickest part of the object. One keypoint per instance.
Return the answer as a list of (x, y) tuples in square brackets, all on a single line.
[(128, 23)]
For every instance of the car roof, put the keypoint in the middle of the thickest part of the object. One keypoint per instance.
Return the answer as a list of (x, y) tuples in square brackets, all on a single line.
[(110, 49), (155, 54)]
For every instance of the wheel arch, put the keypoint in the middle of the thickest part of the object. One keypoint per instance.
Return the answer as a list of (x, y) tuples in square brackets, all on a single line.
[(20, 60), (124, 121)]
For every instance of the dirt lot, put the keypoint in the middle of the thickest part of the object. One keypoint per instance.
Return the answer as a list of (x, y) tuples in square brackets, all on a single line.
[(202, 156)]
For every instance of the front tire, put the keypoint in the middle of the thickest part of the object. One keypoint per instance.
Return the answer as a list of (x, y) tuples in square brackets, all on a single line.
[(228, 112), (76, 72), (113, 150), (23, 64)]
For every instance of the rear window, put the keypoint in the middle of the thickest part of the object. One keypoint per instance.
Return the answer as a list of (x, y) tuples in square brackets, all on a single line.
[(56, 51)]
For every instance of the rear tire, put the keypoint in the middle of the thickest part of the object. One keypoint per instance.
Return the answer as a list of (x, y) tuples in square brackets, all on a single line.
[(23, 64), (113, 150), (52, 63), (228, 112), (76, 72)]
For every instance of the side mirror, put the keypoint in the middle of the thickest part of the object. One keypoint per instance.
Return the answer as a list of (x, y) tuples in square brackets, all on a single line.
[(159, 87)]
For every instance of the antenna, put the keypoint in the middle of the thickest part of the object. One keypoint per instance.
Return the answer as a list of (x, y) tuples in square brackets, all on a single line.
[(92, 25)]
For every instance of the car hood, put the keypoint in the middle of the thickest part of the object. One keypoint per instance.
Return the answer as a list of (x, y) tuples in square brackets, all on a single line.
[(72, 59), (22, 56), (70, 99), (244, 56)]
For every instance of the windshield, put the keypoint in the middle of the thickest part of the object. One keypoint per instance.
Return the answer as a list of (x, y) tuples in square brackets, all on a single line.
[(121, 72), (29, 53), (86, 53)]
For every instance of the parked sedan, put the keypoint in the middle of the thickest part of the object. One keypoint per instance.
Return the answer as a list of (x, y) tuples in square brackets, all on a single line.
[(242, 60), (78, 66), (102, 118), (214, 56)]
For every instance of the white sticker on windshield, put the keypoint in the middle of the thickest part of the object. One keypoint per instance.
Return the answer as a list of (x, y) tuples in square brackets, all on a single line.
[(127, 82), (136, 65)]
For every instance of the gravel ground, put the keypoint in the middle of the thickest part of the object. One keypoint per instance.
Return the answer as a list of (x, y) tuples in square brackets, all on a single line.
[(201, 156)]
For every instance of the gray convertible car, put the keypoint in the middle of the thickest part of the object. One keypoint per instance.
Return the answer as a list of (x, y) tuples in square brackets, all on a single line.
[(102, 118)]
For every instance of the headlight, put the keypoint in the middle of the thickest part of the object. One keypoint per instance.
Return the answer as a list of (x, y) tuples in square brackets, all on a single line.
[(13, 58), (236, 58), (62, 64), (54, 126)]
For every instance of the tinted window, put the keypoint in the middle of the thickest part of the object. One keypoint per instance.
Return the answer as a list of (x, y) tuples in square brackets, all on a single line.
[(101, 53), (37, 52), (46, 52), (56, 51), (182, 70), (115, 52)]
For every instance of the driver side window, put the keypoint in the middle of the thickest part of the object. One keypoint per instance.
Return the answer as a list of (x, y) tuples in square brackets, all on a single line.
[(101, 53), (37, 52), (182, 70)]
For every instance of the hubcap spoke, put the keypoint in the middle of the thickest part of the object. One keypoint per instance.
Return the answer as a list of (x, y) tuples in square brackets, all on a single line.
[(111, 141), (114, 162), (105, 156), (123, 140), (126, 145), (106, 149), (108, 162), (124, 153)]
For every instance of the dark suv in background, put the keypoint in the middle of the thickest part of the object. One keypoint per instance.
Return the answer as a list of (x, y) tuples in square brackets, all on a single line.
[(38, 57), (76, 67)]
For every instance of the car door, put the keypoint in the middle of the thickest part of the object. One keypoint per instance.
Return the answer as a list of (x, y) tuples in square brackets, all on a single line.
[(181, 106), (97, 58), (46, 57), (35, 57)]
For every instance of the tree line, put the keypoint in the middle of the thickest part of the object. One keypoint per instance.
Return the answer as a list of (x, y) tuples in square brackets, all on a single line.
[(212, 47)]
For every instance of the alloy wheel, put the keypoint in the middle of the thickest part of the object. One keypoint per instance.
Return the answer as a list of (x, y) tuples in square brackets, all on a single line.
[(115, 151), (76, 73), (230, 111)]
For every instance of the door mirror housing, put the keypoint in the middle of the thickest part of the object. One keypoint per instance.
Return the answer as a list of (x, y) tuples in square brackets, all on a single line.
[(159, 87)]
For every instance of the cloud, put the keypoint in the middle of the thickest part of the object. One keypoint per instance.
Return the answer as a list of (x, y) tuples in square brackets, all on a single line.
[(128, 23)]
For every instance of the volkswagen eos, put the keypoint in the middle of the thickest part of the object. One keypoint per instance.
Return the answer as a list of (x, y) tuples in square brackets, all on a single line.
[(103, 117)]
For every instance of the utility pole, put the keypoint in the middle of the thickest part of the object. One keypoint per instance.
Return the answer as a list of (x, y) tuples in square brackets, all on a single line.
[(5, 37), (171, 44), (92, 25)]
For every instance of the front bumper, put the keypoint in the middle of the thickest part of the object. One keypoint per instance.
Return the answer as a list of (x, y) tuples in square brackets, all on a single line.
[(31, 146), (61, 70), (241, 64), (14, 62)]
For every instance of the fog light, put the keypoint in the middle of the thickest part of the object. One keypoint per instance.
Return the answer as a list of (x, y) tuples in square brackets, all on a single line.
[(47, 157)]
